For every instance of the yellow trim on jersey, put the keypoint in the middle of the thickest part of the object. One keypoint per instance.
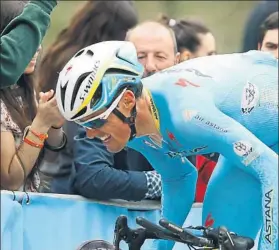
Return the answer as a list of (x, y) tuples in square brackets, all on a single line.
[(154, 111)]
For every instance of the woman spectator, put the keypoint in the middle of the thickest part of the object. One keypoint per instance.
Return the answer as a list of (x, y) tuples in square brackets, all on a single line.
[(193, 38), (25, 128), (95, 22)]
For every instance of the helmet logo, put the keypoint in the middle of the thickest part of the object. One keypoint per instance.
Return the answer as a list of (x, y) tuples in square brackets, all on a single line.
[(90, 80), (68, 69)]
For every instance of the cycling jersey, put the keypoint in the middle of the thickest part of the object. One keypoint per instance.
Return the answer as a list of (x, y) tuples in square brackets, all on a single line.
[(226, 104)]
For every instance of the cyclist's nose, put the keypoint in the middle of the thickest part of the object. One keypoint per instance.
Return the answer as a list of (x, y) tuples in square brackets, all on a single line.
[(91, 133)]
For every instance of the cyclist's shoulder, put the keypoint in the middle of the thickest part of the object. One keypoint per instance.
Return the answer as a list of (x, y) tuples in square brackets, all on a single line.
[(256, 57)]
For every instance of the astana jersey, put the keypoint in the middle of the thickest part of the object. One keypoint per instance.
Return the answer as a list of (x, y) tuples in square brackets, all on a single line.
[(226, 104)]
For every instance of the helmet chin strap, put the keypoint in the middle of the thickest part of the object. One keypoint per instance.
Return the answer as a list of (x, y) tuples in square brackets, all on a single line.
[(128, 120)]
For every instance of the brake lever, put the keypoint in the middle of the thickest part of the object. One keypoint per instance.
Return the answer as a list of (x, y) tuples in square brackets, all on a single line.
[(185, 235), (120, 229), (159, 232), (133, 237)]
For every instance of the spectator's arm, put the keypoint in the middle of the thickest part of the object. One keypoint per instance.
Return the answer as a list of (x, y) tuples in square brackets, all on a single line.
[(154, 185), (21, 39), (96, 178)]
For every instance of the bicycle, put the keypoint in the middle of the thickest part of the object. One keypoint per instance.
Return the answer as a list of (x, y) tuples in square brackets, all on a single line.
[(195, 237)]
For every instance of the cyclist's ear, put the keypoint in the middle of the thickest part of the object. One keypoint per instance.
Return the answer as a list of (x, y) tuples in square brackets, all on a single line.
[(127, 101)]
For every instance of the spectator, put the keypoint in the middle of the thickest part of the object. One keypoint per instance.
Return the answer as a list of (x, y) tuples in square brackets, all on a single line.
[(98, 21), (21, 37), (104, 175), (193, 38), (251, 34), (156, 46), (25, 128), (268, 38)]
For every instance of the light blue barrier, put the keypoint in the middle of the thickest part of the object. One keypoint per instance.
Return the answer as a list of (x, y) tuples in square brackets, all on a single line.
[(60, 222), (11, 224)]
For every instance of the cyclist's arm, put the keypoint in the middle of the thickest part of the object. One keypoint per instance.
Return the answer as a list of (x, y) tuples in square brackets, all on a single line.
[(243, 148), (21, 39), (178, 188), (96, 176)]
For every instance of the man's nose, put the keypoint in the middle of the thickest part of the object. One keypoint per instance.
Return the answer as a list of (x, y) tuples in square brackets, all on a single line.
[(92, 133), (150, 66)]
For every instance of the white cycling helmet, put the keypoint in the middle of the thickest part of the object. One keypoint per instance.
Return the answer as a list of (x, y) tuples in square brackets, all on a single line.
[(95, 76)]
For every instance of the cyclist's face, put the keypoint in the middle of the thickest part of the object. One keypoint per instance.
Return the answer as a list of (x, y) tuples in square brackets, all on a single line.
[(270, 42), (114, 134)]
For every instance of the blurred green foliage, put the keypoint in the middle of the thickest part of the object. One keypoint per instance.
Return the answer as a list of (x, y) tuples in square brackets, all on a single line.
[(226, 19)]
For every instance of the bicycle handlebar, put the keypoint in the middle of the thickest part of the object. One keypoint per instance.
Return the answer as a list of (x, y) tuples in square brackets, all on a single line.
[(211, 238)]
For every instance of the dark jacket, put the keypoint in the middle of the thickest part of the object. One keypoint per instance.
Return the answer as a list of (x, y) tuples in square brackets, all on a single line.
[(21, 39), (100, 174), (262, 10)]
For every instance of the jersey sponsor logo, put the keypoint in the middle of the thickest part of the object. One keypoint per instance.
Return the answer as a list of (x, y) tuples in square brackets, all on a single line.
[(215, 126), (250, 98), (268, 199), (210, 124), (245, 150), (209, 221), (184, 83), (180, 70), (242, 148), (175, 154), (173, 139), (92, 77), (184, 153), (149, 144), (197, 150)]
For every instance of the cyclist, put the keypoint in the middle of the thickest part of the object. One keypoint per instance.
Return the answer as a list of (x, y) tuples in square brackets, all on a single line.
[(224, 103)]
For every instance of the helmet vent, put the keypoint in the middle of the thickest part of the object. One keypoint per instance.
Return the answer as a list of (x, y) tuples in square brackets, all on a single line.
[(79, 53), (120, 71), (90, 52), (121, 57), (63, 92), (97, 96), (80, 113), (77, 87)]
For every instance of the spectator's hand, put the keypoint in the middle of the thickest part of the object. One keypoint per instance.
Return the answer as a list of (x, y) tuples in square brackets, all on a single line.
[(48, 113)]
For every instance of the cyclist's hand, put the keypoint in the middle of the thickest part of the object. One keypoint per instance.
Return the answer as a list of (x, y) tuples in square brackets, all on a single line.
[(229, 241)]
